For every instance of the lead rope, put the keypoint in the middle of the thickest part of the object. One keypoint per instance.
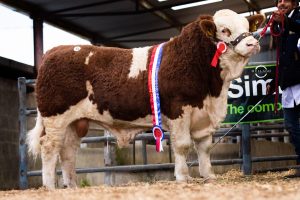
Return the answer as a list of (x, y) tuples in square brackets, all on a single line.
[(276, 76), (275, 35)]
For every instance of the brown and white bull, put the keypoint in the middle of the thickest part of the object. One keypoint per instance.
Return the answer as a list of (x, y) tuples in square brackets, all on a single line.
[(77, 84)]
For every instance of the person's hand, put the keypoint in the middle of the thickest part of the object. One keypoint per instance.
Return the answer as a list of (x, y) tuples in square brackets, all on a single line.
[(270, 89)]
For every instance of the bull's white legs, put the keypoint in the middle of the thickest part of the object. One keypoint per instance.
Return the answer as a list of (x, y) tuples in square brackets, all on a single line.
[(181, 141), (202, 148), (181, 169), (51, 144), (68, 157)]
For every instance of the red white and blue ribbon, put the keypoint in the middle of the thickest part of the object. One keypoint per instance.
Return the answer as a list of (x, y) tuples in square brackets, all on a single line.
[(154, 95)]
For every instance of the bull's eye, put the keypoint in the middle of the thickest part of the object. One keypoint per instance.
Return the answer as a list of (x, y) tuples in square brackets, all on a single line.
[(226, 31)]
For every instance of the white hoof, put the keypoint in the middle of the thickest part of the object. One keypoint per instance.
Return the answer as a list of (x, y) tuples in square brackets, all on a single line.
[(210, 180), (184, 178)]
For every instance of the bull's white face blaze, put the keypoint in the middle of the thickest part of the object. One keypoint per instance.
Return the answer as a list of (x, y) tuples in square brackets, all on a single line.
[(229, 26)]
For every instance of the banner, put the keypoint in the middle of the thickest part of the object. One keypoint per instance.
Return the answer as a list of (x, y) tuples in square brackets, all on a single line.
[(247, 90)]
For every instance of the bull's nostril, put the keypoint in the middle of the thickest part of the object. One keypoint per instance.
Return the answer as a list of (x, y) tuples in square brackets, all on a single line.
[(250, 44)]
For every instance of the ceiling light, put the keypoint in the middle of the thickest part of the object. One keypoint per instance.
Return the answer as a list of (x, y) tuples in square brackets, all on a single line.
[(194, 4), (266, 10), (245, 14)]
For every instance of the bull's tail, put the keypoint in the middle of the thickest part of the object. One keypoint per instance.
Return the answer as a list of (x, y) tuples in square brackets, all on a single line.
[(33, 137)]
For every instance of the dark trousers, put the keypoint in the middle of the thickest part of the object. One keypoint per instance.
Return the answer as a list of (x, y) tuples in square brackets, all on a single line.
[(292, 125)]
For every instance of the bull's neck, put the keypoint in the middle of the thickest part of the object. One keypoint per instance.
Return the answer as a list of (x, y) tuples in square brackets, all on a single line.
[(232, 65), (192, 50), (187, 59)]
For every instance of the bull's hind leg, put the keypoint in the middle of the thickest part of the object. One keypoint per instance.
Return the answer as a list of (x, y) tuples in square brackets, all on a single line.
[(202, 147), (68, 157), (74, 132), (51, 144)]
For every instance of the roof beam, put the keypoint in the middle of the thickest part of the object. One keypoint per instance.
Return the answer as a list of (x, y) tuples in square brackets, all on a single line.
[(145, 40), (163, 15), (84, 6), (141, 32), (253, 5), (120, 13)]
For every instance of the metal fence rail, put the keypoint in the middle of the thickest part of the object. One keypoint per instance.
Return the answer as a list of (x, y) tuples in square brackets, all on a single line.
[(244, 131), (165, 166)]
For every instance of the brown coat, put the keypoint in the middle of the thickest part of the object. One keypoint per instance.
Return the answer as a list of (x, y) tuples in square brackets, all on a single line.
[(185, 78)]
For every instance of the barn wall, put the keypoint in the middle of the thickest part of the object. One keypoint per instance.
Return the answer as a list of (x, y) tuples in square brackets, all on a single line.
[(9, 158), (9, 129)]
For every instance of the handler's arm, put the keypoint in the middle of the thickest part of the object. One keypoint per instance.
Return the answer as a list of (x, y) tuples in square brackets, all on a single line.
[(294, 23)]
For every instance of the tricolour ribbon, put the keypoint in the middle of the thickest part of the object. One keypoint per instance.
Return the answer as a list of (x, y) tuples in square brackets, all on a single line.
[(154, 95), (221, 48)]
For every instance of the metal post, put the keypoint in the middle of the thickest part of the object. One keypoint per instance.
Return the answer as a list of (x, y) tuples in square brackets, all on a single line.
[(286, 139), (109, 160), (246, 149), (170, 150), (133, 151), (38, 41), (144, 151), (23, 180)]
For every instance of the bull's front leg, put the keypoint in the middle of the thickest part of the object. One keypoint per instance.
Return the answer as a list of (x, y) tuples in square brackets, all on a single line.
[(181, 141), (202, 147)]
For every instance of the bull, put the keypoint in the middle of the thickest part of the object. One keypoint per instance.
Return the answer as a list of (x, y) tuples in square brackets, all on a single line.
[(79, 84)]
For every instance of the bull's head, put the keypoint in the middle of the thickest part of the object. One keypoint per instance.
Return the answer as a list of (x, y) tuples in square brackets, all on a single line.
[(234, 30)]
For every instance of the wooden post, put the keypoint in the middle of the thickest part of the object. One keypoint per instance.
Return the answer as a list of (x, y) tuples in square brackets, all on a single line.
[(38, 41)]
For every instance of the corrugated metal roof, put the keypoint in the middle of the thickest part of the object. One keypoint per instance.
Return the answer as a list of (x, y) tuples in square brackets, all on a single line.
[(126, 23)]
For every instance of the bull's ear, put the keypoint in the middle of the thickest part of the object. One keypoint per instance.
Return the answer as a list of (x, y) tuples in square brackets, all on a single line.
[(202, 17), (208, 27), (255, 21)]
